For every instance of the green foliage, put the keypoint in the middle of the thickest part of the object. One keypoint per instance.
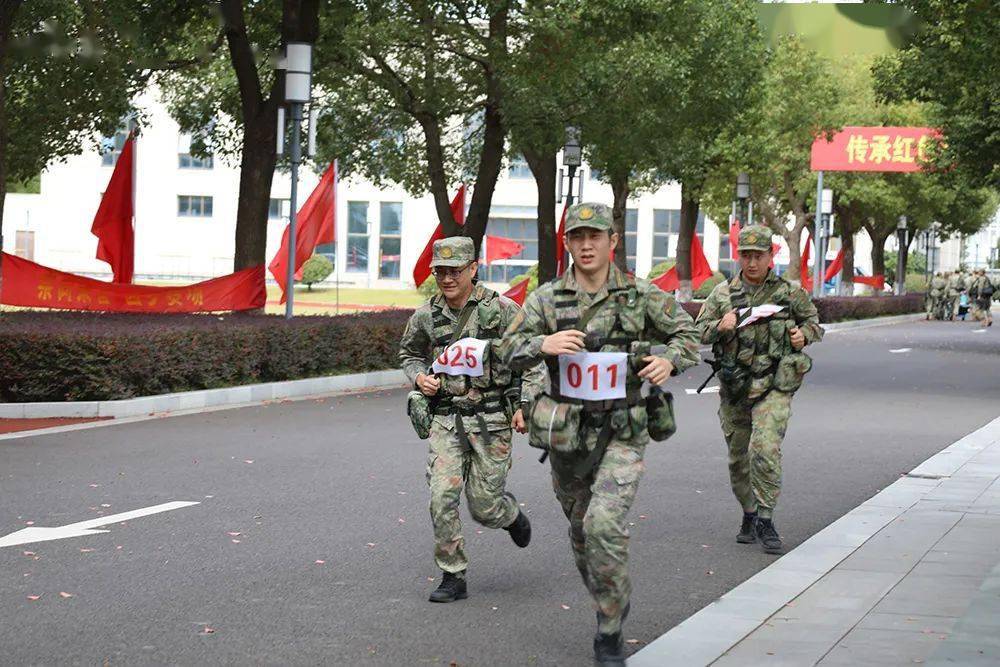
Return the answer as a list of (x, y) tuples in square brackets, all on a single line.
[(316, 269), (532, 278), (32, 186), (706, 287), (429, 288), (659, 269), (951, 64), (100, 356), (916, 282)]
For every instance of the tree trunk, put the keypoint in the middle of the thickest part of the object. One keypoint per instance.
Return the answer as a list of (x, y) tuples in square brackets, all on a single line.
[(437, 176), (794, 243), (543, 168), (689, 221), (846, 222), (619, 186), (8, 11), (256, 173), (878, 254)]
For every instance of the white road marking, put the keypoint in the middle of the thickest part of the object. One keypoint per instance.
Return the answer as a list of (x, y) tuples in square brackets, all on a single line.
[(706, 390), (900, 350), (81, 528)]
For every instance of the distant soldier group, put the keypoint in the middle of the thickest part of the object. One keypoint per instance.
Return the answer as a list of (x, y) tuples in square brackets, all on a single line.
[(582, 369), (953, 295)]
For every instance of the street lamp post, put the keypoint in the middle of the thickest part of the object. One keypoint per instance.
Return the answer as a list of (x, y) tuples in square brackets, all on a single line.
[(743, 196), (297, 65), (824, 232), (901, 256), (572, 159)]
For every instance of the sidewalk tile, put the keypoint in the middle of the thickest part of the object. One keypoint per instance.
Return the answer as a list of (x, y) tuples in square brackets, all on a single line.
[(931, 595), (882, 647)]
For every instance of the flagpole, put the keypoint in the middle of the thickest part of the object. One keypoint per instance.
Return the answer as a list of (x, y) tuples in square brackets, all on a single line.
[(135, 216), (336, 249), (293, 202)]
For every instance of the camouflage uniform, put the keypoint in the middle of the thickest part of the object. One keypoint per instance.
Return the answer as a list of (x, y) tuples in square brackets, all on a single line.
[(754, 416), (596, 491), (936, 296), (956, 285), (470, 436), (980, 295)]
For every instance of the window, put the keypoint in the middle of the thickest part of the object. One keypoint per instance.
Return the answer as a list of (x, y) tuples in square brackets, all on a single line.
[(194, 206), (507, 223), (390, 230), (187, 161), (519, 168), (357, 236), (666, 228), (631, 235), (726, 263), (24, 245), (278, 209), (111, 147)]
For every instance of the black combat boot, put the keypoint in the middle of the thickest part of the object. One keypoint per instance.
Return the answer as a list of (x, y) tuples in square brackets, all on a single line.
[(747, 535), (452, 588), (768, 536), (609, 650), (520, 530)]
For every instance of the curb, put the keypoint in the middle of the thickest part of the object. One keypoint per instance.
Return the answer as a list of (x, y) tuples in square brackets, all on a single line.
[(710, 633), (872, 322), (204, 399)]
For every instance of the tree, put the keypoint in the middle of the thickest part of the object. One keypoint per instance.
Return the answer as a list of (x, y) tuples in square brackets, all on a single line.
[(415, 96), (951, 64), (230, 101), (315, 270), (798, 102)]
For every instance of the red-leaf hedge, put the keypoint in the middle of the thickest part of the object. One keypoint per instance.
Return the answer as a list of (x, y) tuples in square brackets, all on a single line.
[(50, 356)]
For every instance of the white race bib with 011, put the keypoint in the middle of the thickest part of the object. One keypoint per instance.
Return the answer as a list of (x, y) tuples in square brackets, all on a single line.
[(593, 376), (463, 357)]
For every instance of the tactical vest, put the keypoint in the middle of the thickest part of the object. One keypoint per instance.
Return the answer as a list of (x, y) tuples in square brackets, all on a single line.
[(628, 327), (938, 286), (759, 347), (486, 324)]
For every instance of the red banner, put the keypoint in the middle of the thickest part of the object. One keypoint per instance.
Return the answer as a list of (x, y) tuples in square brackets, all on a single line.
[(499, 247), (519, 292), (35, 286), (422, 269), (701, 270), (901, 149)]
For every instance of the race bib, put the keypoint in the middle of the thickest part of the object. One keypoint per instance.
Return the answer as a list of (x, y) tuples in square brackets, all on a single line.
[(463, 357), (593, 376)]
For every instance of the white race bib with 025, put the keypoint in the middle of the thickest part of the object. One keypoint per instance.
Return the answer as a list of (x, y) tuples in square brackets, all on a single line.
[(593, 376), (463, 357)]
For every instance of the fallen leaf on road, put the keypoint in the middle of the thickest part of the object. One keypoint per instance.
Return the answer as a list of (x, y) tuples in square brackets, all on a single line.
[(118, 547), (29, 523), (402, 493), (697, 491), (248, 461), (209, 496), (370, 545), (85, 550), (320, 562), (28, 553), (34, 597), (233, 534), (709, 572), (64, 594), (235, 541), (208, 631), (565, 607), (105, 505), (401, 520), (94, 486), (643, 516), (705, 546), (632, 641), (494, 608), (479, 532)]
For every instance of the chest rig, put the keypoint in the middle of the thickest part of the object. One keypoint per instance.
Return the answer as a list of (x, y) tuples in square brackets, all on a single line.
[(482, 319)]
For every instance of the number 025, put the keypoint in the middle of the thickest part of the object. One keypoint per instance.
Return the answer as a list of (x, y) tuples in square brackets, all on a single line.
[(457, 354), (574, 375)]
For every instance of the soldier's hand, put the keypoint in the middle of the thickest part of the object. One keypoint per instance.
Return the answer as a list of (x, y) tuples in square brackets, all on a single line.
[(798, 338), (728, 322), (517, 422), (428, 384), (657, 370), (563, 342)]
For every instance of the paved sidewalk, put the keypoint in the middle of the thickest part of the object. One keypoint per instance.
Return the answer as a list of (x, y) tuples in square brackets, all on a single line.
[(912, 576)]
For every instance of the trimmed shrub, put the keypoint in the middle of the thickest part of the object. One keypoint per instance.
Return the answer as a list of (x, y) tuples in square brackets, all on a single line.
[(94, 356), (315, 270)]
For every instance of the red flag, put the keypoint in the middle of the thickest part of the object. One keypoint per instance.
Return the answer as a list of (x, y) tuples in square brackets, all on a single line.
[(498, 247), (518, 293), (113, 222), (422, 269), (314, 224), (734, 239), (804, 278), (701, 270), (835, 266), (561, 260), (878, 282)]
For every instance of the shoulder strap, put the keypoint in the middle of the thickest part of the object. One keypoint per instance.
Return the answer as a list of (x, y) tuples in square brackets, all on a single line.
[(463, 319)]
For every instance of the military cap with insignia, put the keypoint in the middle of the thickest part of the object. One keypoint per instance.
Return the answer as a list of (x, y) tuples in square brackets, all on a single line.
[(594, 216), (755, 237), (453, 251)]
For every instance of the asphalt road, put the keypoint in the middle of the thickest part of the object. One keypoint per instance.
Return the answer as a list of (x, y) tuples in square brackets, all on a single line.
[(341, 480)]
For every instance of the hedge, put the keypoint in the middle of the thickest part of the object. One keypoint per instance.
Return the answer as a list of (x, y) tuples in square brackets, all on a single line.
[(47, 356)]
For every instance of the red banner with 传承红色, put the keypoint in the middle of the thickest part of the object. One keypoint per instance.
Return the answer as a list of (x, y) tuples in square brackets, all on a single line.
[(899, 149), (32, 285)]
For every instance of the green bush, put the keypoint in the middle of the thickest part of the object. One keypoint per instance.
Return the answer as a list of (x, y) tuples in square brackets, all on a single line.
[(429, 288), (916, 282), (659, 269), (316, 269), (532, 278), (99, 356)]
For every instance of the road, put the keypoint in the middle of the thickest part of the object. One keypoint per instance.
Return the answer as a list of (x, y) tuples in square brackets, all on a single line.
[(311, 540)]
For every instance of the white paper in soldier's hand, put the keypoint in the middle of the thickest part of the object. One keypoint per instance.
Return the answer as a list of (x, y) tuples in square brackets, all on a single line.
[(758, 313)]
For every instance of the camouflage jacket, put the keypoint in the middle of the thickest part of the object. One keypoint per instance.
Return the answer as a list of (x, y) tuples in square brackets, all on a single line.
[(978, 285), (761, 346), (423, 341), (938, 286), (639, 312), (956, 284)]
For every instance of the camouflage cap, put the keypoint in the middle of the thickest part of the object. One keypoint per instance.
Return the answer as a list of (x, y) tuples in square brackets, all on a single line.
[(755, 237), (595, 216), (453, 251)]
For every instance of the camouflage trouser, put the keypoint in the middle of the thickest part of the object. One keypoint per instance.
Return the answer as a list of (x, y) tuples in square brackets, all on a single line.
[(754, 434), (980, 309), (483, 471), (597, 507)]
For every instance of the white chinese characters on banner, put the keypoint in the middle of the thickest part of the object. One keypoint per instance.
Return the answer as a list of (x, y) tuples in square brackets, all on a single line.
[(463, 357), (593, 376), (758, 313)]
